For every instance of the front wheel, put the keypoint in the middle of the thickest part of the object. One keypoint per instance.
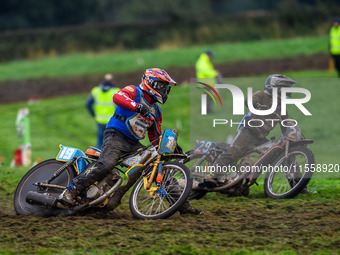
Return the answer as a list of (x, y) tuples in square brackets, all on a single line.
[(289, 176), (40, 173), (161, 204)]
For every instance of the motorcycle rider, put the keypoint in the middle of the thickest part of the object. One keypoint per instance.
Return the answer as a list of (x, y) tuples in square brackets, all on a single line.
[(128, 125), (247, 136)]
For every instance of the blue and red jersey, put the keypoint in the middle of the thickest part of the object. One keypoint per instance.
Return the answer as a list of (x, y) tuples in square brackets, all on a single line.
[(127, 101)]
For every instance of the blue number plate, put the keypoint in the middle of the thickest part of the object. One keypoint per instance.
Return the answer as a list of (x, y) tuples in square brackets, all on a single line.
[(66, 153), (293, 133), (203, 147), (169, 141)]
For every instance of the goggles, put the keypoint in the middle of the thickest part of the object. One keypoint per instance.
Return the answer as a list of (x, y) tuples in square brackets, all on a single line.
[(162, 86)]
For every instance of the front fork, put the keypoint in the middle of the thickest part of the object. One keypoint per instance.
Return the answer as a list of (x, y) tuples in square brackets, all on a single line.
[(157, 169), (286, 150), (292, 177)]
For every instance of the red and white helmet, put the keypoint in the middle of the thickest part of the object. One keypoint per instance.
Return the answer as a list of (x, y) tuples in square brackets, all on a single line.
[(157, 83)]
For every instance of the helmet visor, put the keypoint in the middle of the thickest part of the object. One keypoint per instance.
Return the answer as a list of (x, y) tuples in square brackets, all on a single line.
[(162, 87)]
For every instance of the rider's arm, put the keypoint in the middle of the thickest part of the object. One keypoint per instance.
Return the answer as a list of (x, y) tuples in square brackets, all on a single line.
[(152, 134), (126, 98), (259, 101)]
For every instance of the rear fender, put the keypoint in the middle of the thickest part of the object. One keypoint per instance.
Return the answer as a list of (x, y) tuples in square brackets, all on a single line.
[(301, 142)]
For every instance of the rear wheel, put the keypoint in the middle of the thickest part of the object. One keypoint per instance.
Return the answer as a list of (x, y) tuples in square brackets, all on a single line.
[(173, 192), (289, 176), (40, 173)]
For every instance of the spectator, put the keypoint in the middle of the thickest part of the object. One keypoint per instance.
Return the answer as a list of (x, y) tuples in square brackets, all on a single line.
[(204, 66), (100, 105), (206, 73), (334, 43)]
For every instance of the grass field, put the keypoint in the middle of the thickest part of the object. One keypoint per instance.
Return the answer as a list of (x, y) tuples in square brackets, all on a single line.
[(84, 64), (308, 224)]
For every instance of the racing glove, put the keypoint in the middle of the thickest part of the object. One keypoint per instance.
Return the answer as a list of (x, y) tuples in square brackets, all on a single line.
[(144, 110)]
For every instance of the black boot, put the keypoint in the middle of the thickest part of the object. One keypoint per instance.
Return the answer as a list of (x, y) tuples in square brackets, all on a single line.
[(188, 209), (307, 191)]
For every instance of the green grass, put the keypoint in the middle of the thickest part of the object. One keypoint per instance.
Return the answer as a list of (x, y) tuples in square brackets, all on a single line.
[(117, 62)]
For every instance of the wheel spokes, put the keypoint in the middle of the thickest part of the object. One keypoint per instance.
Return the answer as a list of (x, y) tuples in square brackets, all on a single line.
[(287, 174), (161, 200)]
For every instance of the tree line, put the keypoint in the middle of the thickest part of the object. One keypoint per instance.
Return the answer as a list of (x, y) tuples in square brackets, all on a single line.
[(38, 28), (30, 14)]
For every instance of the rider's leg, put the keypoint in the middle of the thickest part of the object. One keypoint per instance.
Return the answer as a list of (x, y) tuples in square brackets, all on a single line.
[(186, 208), (244, 140), (115, 146), (234, 152)]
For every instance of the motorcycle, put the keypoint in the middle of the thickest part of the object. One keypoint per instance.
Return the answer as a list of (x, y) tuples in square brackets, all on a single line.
[(287, 161), (156, 194)]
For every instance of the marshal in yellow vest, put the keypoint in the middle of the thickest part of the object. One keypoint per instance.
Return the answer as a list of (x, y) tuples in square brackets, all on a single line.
[(335, 40), (103, 104), (204, 67)]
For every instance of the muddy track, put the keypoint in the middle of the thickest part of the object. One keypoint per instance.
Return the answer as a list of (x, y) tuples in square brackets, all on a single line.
[(22, 90), (229, 224)]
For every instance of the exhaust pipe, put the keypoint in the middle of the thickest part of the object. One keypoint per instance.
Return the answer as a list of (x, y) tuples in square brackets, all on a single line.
[(43, 199)]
